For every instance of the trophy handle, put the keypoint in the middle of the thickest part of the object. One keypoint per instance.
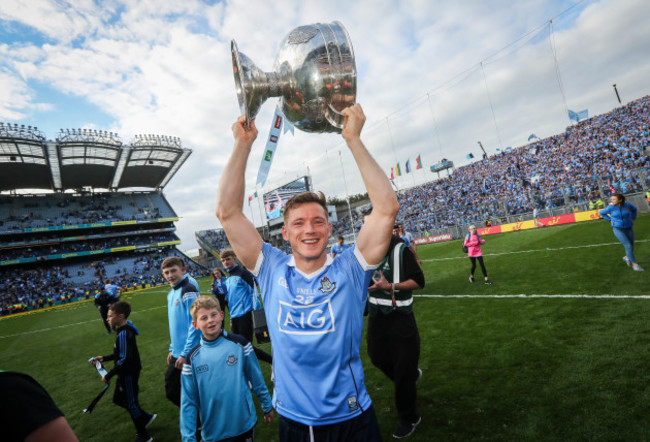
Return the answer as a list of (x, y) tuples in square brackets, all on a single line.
[(334, 117)]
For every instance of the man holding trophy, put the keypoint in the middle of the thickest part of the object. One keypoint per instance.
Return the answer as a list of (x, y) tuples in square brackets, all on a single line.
[(314, 305)]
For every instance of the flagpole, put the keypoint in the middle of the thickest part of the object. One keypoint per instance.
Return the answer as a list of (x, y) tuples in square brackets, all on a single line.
[(392, 145), (260, 206), (347, 197), (249, 208)]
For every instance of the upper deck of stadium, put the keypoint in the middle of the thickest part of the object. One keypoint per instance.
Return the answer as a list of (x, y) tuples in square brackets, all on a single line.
[(85, 158)]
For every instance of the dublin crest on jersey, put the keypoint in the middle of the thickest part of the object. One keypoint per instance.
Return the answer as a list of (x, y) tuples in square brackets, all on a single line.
[(326, 285), (232, 360)]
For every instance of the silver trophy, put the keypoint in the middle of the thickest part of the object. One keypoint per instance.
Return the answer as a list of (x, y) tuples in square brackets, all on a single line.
[(314, 74)]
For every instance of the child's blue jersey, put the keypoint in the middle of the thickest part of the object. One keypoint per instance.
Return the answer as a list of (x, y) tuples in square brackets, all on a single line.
[(315, 323), (214, 381), (179, 299)]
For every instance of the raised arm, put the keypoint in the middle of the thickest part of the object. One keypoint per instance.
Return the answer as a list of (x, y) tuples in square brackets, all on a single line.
[(241, 233), (377, 229)]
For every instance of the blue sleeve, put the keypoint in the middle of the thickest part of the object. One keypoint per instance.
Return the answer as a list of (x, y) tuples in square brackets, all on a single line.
[(253, 374), (193, 334), (604, 213), (123, 349), (270, 257), (632, 211), (189, 404)]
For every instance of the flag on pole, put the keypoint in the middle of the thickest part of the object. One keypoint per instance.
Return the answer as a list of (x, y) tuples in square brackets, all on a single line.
[(392, 176), (408, 166), (398, 171), (271, 144), (533, 137), (573, 116), (418, 163), (583, 114)]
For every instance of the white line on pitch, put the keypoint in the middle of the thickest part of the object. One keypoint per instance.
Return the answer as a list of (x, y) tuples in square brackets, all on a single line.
[(537, 250), (539, 296), (70, 325)]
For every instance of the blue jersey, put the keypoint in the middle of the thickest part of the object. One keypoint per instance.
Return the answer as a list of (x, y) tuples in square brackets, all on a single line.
[(240, 294), (179, 299), (112, 290), (215, 381), (621, 217), (219, 287), (406, 240), (338, 249), (315, 323)]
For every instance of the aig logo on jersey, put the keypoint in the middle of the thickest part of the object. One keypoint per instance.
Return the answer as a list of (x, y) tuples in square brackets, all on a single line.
[(312, 319)]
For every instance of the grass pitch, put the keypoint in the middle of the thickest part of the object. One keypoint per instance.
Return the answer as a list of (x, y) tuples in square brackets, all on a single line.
[(555, 350)]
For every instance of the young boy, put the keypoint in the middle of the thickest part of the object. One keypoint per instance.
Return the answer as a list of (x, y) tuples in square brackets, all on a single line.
[(127, 368), (215, 378), (182, 293)]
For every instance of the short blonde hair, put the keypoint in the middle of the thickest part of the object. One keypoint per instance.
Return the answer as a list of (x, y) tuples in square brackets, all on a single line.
[(203, 301)]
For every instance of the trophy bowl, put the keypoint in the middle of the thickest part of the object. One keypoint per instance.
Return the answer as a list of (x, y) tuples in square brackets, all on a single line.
[(314, 74)]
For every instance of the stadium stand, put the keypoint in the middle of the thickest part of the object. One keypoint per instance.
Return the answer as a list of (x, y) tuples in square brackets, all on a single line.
[(61, 245), (586, 163)]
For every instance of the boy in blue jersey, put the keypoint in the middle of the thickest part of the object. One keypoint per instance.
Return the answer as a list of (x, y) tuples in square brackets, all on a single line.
[(127, 369), (184, 290), (242, 300), (216, 377), (314, 304)]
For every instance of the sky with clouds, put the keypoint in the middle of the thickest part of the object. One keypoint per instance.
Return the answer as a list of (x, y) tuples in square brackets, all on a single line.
[(434, 78)]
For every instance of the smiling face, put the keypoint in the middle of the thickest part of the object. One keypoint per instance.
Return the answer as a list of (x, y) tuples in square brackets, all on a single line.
[(209, 321), (173, 274), (308, 230)]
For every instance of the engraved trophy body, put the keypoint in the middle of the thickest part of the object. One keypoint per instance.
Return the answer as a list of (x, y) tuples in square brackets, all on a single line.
[(314, 74)]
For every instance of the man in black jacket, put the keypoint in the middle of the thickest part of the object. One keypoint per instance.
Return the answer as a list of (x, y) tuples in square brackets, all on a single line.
[(393, 338), (127, 368)]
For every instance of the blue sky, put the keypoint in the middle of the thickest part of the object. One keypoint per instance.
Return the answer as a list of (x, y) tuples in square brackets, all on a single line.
[(164, 67)]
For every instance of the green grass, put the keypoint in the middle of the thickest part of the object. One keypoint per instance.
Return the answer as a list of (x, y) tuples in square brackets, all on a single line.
[(495, 369)]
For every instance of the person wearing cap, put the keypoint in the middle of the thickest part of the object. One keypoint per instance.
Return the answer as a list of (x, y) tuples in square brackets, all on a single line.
[(473, 242)]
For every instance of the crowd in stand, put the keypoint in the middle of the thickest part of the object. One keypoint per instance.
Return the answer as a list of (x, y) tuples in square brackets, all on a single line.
[(72, 210), (71, 247), (22, 290), (30, 289), (562, 169)]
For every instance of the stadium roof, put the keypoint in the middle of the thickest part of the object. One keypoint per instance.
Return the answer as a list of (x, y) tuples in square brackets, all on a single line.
[(85, 158)]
